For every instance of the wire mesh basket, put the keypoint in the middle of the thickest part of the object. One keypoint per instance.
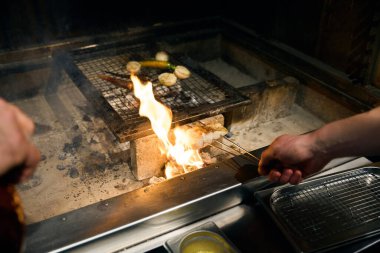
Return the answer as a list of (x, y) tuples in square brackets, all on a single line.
[(329, 212)]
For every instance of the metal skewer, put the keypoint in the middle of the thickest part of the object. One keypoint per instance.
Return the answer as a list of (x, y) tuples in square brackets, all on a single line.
[(237, 145), (117, 74), (244, 157), (249, 158), (223, 149), (246, 152)]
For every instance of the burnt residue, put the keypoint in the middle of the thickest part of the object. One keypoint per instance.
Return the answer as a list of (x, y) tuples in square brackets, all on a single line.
[(73, 172), (60, 167), (92, 169), (41, 128), (119, 157), (93, 141), (96, 162), (98, 157), (121, 187), (34, 181), (86, 118), (62, 156), (73, 147), (75, 127)]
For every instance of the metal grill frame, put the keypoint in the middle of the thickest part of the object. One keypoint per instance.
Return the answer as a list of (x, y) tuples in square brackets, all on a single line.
[(327, 213), (127, 129)]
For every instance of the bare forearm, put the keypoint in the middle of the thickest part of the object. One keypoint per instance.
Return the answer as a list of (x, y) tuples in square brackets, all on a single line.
[(355, 136)]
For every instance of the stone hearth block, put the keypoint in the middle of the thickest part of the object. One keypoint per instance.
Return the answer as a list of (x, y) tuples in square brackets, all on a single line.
[(146, 157)]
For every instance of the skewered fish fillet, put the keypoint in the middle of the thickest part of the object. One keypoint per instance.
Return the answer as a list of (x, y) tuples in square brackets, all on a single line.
[(200, 136)]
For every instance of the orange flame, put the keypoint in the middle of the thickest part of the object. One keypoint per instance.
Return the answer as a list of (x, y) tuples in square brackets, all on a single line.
[(160, 118)]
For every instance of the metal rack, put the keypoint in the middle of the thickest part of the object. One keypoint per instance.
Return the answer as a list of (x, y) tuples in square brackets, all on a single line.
[(329, 212), (320, 211), (200, 96)]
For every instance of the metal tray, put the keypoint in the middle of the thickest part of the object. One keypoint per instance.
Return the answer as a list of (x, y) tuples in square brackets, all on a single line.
[(329, 212)]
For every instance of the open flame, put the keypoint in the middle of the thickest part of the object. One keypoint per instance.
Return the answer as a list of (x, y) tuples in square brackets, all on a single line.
[(180, 154)]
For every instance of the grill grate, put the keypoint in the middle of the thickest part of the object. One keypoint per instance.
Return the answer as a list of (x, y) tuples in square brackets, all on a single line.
[(188, 93), (201, 95), (339, 208)]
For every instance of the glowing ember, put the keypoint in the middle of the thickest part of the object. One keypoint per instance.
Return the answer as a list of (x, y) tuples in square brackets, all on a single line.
[(181, 156)]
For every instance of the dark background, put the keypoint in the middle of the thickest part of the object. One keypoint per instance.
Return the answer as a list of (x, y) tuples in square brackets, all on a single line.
[(338, 32)]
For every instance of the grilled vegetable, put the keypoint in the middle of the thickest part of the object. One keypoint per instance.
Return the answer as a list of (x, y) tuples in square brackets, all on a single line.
[(116, 81), (181, 72), (167, 79), (157, 64), (162, 56), (142, 77), (133, 67), (117, 74)]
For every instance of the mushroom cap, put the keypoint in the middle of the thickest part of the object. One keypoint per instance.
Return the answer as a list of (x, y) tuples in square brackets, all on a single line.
[(182, 72), (167, 79), (162, 56), (133, 66)]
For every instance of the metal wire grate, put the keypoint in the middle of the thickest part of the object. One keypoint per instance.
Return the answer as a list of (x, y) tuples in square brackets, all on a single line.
[(188, 93), (331, 208), (202, 95)]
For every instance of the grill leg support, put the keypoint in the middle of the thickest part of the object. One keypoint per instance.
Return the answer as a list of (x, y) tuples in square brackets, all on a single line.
[(146, 158)]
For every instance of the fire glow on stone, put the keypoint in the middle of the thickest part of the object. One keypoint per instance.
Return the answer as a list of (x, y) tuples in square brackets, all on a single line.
[(180, 154)]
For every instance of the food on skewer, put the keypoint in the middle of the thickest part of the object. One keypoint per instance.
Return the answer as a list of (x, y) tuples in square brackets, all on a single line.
[(142, 77), (200, 136), (116, 81)]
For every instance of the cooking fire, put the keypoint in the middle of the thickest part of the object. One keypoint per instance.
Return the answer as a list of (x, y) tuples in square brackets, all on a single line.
[(181, 147)]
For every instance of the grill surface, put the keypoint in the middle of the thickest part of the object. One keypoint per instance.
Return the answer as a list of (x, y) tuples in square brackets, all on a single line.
[(201, 95), (331, 211)]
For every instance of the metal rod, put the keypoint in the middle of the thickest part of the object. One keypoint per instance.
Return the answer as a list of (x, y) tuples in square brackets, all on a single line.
[(246, 152), (244, 157), (237, 145), (143, 78)]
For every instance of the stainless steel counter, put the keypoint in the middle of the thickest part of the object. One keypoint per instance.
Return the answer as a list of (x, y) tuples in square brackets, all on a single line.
[(233, 209)]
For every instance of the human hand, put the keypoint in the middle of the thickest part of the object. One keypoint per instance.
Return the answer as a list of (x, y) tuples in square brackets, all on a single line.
[(290, 158), (16, 148)]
